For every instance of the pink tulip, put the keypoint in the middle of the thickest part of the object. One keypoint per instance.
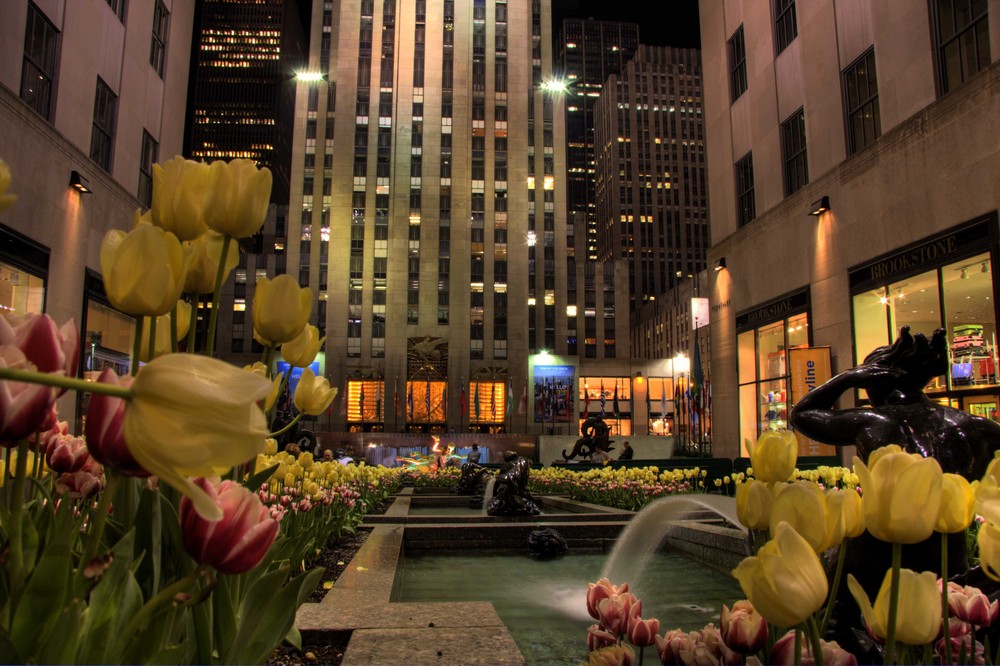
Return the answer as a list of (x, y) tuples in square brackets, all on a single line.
[(711, 637), (969, 604), (616, 611), (86, 482), (670, 645), (239, 540), (642, 633), (598, 638), (24, 408), (48, 437), (957, 649), (743, 629), (602, 589), (67, 454), (783, 653), (105, 418), (49, 348)]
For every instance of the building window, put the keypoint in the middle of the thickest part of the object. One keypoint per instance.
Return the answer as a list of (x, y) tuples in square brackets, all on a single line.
[(118, 7), (39, 69), (785, 29), (961, 30), (861, 99), (793, 150), (150, 154), (158, 47), (737, 64), (746, 208), (102, 136)]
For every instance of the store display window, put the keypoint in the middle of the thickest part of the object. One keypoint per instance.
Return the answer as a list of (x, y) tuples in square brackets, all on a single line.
[(764, 337), (24, 268)]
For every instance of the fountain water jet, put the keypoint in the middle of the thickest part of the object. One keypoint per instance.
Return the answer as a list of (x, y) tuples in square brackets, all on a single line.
[(648, 528), (488, 493)]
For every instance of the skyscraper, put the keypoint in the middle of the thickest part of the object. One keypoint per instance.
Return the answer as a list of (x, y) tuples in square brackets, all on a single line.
[(651, 185), (429, 211), (590, 52)]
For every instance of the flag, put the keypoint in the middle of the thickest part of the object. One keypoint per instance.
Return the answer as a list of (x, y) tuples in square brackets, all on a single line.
[(697, 378), (475, 401), (569, 400), (493, 401), (510, 397), (409, 400), (463, 402), (343, 403), (615, 401), (427, 399), (378, 401), (361, 401), (602, 399), (540, 399), (663, 399), (523, 407), (395, 399), (586, 401)]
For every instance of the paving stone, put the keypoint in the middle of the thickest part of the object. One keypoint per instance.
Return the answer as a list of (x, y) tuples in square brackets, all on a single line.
[(431, 646)]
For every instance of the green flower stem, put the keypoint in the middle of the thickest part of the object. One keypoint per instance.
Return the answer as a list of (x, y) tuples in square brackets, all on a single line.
[(642, 651), (834, 587), (944, 598), (812, 631), (137, 345), (46, 379), (173, 329), (17, 507), (890, 640), (194, 324), (152, 339), (798, 646), (213, 317), (100, 519), (278, 433), (164, 596)]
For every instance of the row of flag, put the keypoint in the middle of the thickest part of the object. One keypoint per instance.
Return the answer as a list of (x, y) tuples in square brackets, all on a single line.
[(463, 400)]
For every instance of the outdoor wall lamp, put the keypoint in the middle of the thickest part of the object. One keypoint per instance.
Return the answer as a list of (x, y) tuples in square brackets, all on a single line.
[(79, 183), (638, 377), (720, 263), (820, 206)]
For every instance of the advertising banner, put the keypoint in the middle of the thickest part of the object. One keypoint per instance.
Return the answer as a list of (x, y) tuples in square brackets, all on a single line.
[(554, 393), (810, 367)]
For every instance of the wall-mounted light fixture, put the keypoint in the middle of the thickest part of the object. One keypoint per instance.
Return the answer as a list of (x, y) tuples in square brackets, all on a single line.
[(638, 376), (720, 263), (79, 183), (820, 206)]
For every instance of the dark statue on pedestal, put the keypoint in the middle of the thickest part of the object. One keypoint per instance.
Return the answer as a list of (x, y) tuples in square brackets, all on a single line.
[(894, 378), (472, 481), (511, 496), (595, 436)]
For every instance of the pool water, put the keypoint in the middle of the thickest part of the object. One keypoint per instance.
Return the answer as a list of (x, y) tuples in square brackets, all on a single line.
[(418, 510), (543, 603)]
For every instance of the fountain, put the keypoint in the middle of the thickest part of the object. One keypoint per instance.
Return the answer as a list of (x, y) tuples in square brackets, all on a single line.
[(488, 493)]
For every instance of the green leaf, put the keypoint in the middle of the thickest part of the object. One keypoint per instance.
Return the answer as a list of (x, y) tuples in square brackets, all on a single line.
[(266, 617), (113, 602), (41, 603), (224, 613), (294, 637), (255, 481), (149, 541), (62, 649), (9, 650)]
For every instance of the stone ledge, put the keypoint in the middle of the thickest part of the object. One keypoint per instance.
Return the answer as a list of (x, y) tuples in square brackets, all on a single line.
[(431, 647)]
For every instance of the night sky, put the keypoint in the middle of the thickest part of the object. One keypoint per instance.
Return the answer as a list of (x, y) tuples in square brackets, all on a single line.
[(661, 22)]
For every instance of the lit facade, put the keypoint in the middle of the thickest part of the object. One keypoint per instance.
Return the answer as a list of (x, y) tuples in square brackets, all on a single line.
[(95, 88), (886, 110), (428, 203), (652, 204)]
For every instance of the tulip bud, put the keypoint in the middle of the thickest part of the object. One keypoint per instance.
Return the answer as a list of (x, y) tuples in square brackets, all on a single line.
[(958, 503), (753, 504), (281, 309), (743, 628), (918, 620), (642, 633), (143, 270), (24, 407), (969, 604), (238, 197), (313, 394), (202, 255), (302, 350), (67, 455), (104, 428), (773, 457), (783, 653), (598, 638), (902, 494), (179, 194), (238, 541)]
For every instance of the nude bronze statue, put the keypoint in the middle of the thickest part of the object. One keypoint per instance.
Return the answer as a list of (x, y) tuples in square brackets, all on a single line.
[(894, 378)]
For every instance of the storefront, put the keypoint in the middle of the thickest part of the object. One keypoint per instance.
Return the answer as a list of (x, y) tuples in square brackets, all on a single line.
[(24, 269), (946, 280), (765, 334)]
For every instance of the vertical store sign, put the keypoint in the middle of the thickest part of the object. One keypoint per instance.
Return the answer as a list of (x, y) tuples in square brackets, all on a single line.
[(810, 367), (699, 313)]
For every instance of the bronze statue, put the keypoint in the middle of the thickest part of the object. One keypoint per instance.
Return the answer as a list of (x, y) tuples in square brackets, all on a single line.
[(473, 479), (894, 378), (511, 496), (595, 436)]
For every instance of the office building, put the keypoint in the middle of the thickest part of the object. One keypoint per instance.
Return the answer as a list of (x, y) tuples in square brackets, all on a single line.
[(852, 158)]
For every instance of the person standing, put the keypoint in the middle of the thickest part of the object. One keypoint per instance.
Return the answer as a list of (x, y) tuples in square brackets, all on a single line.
[(474, 454)]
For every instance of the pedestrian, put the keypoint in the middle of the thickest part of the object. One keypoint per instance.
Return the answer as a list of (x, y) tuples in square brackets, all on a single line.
[(627, 451), (474, 453)]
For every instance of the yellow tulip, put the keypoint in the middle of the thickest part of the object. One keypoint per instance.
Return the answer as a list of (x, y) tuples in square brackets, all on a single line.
[(313, 394), (180, 188), (773, 457), (801, 505), (270, 446), (203, 255), (301, 351), (281, 309), (958, 504), (844, 506), (194, 416), (238, 197), (785, 581), (289, 479), (753, 504), (305, 459), (143, 270), (989, 549), (162, 346), (901, 495), (988, 493), (6, 200), (918, 616)]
